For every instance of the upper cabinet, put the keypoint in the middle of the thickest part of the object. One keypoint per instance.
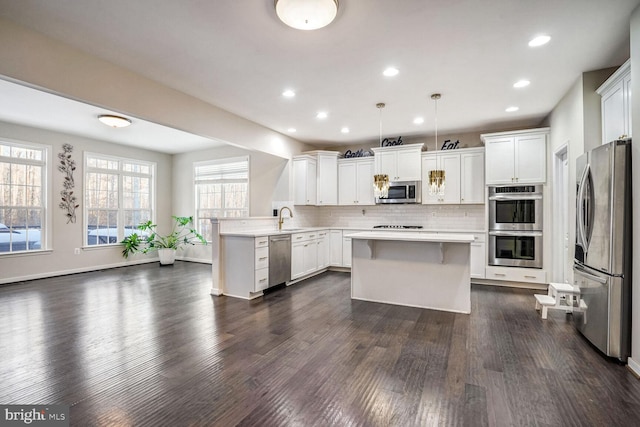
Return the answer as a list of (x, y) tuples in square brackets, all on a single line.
[(315, 178), (400, 162), (517, 157), (616, 104), (355, 181), (464, 176)]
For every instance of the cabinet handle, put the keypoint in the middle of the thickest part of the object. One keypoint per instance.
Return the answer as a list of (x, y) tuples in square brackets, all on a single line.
[(312, 236), (299, 237), (262, 258), (306, 245), (530, 277), (262, 280), (499, 274)]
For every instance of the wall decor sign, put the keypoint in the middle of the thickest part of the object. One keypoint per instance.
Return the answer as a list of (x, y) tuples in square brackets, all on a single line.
[(67, 166), (390, 142), (448, 145), (358, 153)]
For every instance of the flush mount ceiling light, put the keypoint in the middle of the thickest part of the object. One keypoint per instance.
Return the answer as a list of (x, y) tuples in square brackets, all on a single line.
[(288, 93), (539, 41), (306, 14), (114, 121)]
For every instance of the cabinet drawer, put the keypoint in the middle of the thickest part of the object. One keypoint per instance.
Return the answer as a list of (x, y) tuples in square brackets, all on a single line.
[(515, 274), (262, 242), (262, 258), (262, 279), (304, 237)]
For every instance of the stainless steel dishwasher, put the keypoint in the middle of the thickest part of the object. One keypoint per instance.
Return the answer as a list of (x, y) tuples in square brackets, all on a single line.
[(279, 259)]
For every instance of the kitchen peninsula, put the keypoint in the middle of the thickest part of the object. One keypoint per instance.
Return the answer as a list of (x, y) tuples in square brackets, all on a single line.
[(414, 269)]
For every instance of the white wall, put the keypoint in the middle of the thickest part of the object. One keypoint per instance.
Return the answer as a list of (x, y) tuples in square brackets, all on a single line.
[(269, 181), (66, 237), (634, 362)]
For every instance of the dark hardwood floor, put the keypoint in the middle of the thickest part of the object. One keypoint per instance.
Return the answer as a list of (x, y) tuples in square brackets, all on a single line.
[(148, 346)]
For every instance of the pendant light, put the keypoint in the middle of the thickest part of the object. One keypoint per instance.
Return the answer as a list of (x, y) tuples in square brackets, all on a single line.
[(436, 176), (381, 181), (306, 14)]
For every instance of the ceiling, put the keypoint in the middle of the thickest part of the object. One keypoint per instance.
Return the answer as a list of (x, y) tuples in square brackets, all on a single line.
[(238, 56)]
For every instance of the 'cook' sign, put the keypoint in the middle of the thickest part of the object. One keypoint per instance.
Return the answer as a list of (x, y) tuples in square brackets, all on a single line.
[(388, 142)]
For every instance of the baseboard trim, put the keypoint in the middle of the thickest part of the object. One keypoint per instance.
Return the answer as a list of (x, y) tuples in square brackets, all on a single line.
[(634, 367), (507, 284), (73, 271), (198, 260)]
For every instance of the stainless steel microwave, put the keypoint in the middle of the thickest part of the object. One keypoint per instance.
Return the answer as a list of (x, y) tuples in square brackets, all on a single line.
[(402, 192)]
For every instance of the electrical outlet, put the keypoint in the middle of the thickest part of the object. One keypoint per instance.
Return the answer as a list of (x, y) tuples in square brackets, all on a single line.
[(76, 251)]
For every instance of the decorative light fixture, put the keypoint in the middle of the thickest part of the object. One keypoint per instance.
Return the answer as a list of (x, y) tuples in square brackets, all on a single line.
[(436, 176), (381, 181), (114, 121), (306, 14)]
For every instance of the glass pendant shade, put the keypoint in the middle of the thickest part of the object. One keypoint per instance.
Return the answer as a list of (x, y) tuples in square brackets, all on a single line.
[(306, 14), (436, 182), (381, 186)]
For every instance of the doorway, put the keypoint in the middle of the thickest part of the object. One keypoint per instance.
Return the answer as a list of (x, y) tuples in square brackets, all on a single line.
[(560, 241)]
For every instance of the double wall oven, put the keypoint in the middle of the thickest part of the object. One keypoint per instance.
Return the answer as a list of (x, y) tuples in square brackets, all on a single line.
[(515, 226)]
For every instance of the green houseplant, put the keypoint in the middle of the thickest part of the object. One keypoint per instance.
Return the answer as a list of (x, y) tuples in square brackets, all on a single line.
[(182, 234)]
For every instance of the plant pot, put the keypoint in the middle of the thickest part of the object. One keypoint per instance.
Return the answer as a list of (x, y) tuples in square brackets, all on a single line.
[(167, 256)]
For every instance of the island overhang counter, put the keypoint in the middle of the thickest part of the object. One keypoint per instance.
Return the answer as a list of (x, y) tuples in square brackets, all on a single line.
[(414, 269)]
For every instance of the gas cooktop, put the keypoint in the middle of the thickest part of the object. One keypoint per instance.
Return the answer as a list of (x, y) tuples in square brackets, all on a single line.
[(398, 226)]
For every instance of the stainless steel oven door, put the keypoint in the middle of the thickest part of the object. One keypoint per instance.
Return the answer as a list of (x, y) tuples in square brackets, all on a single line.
[(512, 212), (515, 249)]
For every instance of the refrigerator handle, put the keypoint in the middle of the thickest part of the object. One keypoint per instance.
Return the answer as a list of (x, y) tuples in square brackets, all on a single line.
[(593, 277), (580, 213)]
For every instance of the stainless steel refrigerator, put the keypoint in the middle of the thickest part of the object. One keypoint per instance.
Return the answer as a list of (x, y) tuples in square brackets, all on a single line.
[(602, 264)]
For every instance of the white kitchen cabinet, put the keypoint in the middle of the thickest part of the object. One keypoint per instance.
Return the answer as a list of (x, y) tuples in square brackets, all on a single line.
[(346, 252), (355, 181), (247, 272), (517, 157), (478, 257), (616, 104), (297, 259), (464, 176), (400, 162), (305, 189), (315, 178), (472, 189), (516, 274), (322, 243), (450, 163), (310, 256), (304, 254), (335, 243)]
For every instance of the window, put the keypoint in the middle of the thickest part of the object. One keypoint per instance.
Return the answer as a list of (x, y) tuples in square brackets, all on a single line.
[(222, 191), (23, 199), (118, 197)]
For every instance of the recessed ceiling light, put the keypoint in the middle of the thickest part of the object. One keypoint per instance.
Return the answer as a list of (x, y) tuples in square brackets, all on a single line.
[(418, 120), (539, 41), (114, 121), (291, 130), (289, 93), (521, 83), (322, 115), (344, 130), (390, 72), (511, 109)]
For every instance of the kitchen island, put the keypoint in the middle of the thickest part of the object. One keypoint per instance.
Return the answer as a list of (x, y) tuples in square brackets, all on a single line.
[(413, 269)]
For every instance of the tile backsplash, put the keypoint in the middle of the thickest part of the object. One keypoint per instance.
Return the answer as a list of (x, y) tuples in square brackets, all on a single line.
[(431, 217)]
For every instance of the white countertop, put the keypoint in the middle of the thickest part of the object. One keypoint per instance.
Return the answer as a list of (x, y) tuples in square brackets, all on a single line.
[(352, 230), (412, 236)]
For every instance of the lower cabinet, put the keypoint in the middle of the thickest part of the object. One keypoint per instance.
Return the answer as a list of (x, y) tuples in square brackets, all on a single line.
[(516, 274), (335, 250), (323, 249), (346, 252), (309, 253), (477, 261)]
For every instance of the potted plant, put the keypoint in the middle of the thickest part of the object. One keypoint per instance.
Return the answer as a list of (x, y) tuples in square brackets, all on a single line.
[(182, 233)]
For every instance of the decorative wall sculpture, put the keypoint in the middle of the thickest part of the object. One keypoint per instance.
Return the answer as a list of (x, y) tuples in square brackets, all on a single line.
[(67, 165)]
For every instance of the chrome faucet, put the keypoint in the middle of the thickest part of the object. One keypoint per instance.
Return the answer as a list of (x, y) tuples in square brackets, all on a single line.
[(280, 219)]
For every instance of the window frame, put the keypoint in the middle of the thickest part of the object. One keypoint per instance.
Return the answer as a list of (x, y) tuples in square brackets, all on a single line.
[(121, 173), (196, 199), (46, 186)]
